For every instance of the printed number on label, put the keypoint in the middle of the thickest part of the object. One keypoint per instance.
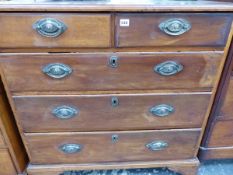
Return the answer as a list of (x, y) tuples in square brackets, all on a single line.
[(124, 22)]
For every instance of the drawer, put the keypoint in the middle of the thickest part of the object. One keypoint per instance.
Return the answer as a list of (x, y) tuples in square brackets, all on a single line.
[(226, 111), (222, 134), (172, 29), (122, 112), (2, 142), (6, 164), (115, 146), (59, 30), (93, 72)]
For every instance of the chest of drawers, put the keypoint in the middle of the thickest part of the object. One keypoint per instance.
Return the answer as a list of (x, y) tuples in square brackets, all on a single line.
[(108, 85)]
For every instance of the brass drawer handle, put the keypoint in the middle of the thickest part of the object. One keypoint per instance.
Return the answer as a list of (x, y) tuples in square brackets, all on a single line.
[(57, 70), (157, 145), (70, 148), (168, 68), (175, 27), (162, 110), (65, 112), (49, 27)]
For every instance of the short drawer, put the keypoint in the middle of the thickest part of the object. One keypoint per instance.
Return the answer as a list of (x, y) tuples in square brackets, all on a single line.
[(222, 134), (2, 142), (6, 164), (226, 111), (172, 29), (112, 146), (121, 112), (58, 30), (109, 72)]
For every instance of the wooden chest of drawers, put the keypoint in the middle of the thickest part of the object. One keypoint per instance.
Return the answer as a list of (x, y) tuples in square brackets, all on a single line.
[(111, 85)]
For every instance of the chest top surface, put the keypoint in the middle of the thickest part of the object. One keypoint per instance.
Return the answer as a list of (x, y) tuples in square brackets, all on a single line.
[(116, 5)]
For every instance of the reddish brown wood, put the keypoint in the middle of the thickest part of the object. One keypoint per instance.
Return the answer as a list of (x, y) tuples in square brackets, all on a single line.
[(226, 111), (206, 30), (2, 142), (98, 147), (216, 153), (83, 30), (133, 113), (91, 72), (185, 167), (6, 164), (222, 134)]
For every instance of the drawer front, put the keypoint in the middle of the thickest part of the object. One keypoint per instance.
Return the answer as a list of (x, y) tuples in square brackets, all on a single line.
[(6, 164), (222, 134), (2, 142), (172, 29), (29, 30), (226, 111), (93, 72), (115, 146), (122, 112)]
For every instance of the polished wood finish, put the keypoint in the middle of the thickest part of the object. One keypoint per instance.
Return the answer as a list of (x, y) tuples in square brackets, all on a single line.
[(83, 30), (6, 164), (2, 142), (131, 146), (222, 134), (133, 112), (216, 153), (11, 136), (91, 72), (202, 51), (226, 111), (116, 6), (187, 167), (144, 30)]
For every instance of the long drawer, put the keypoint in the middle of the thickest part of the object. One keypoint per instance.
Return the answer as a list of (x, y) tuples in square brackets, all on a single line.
[(111, 112), (172, 29), (54, 30), (52, 148), (93, 72)]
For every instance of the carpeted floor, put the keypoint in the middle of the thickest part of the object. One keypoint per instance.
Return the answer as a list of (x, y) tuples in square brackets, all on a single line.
[(224, 167)]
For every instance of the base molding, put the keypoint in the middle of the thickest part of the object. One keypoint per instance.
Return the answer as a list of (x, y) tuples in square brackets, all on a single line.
[(183, 167), (215, 153)]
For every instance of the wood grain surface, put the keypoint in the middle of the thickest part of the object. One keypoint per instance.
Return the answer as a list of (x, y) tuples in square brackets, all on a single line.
[(91, 72), (83, 30)]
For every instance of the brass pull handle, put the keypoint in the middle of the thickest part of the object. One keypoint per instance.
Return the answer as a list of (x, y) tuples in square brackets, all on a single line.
[(157, 145), (65, 112), (175, 27), (70, 148), (49, 27), (57, 70), (168, 68), (162, 110)]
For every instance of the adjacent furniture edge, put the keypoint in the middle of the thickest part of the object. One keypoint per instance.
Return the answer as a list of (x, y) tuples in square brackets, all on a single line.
[(11, 134), (205, 152)]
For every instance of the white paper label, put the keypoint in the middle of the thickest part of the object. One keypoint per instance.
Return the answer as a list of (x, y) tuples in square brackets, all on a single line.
[(124, 22)]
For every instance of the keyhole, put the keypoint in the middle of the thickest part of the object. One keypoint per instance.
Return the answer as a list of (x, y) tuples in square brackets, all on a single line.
[(115, 102), (115, 138), (113, 62)]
